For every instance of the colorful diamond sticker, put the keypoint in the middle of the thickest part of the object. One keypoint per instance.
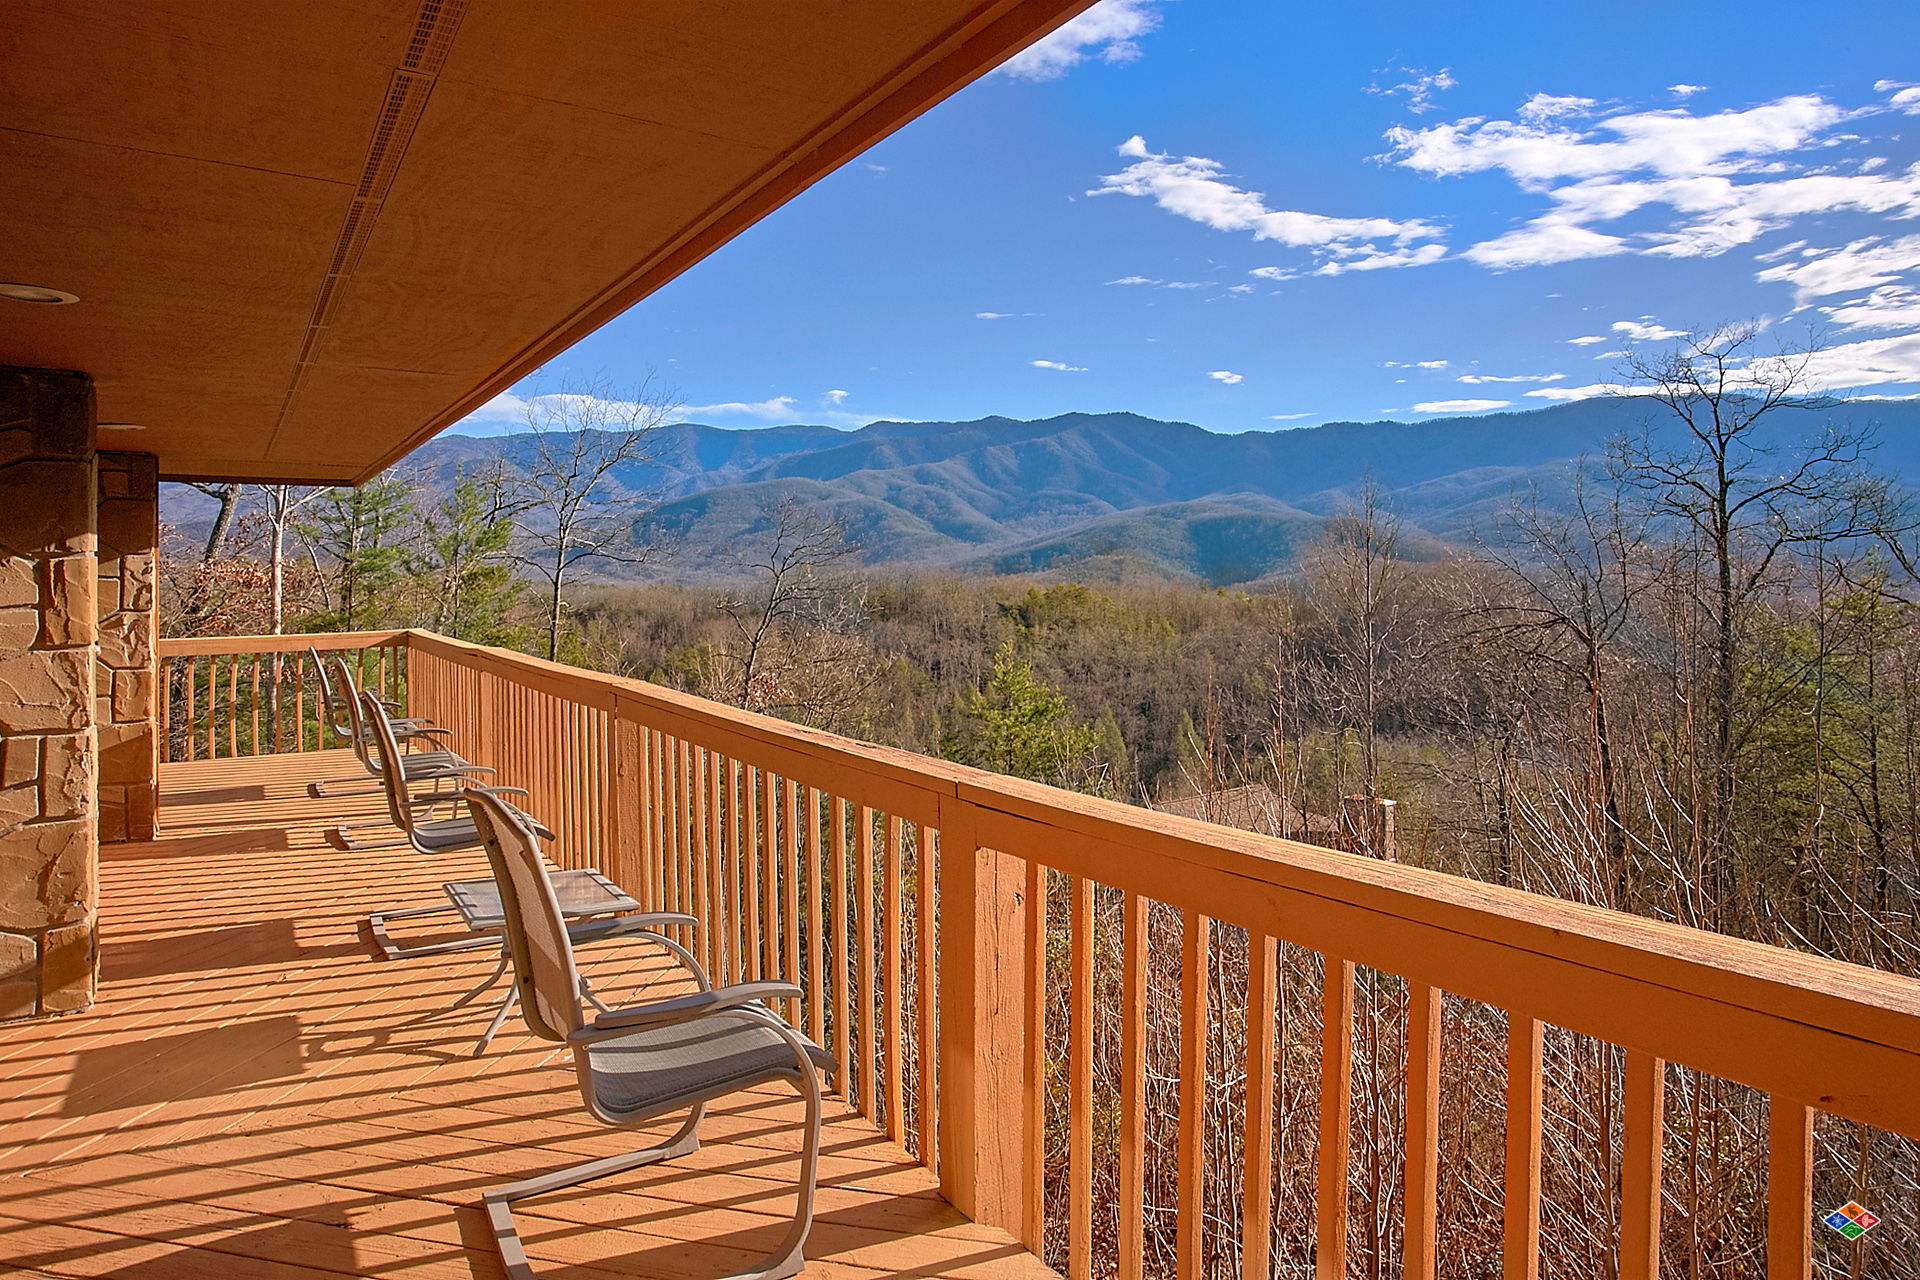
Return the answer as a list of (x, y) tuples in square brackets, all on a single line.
[(1852, 1220)]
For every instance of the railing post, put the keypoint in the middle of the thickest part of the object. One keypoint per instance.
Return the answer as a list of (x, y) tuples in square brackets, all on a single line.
[(982, 1137), (626, 854)]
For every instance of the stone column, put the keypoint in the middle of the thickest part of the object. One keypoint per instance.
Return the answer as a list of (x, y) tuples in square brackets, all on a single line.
[(128, 674), (49, 843)]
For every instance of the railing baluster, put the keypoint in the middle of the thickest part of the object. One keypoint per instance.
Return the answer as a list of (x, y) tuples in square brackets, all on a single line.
[(1640, 1160), (1789, 1190), (1336, 1119), (1034, 1069), (715, 931), (213, 707), (702, 855), (1080, 1082), (790, 884), (842, 991), (924, 857), (893, 999), (299, 706), (1133, 1088), (1520, 1248), (756, 940), (233, 706), (1190, 1214), (863, 890), (816, 944), (770, 875), (1423, 1131), (739, 806), (1256, 1213), (253, 703), (649, 887)]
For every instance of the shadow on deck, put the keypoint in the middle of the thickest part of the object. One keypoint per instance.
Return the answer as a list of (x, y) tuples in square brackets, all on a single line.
[(257, 1094)]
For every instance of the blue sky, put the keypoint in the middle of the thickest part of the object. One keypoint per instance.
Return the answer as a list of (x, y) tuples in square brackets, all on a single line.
[(1254, 215)]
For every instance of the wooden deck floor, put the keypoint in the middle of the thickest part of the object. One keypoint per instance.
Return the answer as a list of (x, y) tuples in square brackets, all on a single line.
[(256, 1094)]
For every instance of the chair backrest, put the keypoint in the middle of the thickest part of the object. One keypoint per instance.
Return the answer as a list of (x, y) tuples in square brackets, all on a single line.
[(362, 713), (374, 732), (336, 710), (536, 932)]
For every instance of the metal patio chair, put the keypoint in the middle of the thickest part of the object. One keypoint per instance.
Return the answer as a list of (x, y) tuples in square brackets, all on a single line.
[(351, 712), (475, 901), (639, 1063)]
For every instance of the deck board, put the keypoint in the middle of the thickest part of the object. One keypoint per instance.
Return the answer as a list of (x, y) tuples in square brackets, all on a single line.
[(258, 1094)]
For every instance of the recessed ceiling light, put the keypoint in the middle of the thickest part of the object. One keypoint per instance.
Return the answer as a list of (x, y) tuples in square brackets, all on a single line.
[(121, 426), (35, 293)]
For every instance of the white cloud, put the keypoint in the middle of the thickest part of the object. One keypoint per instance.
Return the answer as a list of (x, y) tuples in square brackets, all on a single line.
[(1413, 364), (1591, 390), (1475, 379), (1134, 280), (1274, 273), (1685, 90), (1671, 143), (1227, 376), (1418, 88), (1890, 307), (1542, 242), (992, 315), (1864, 264), (1636, 331), (1587, 341), (1868, 363), (1906, 94), (837, 396), (1195, 188), (1184, 284), (1726, 178), (776, 409), (1057, 366), (1287, 417), (1459, 406), (1372, 259), (1110, 31), (1239, 288)]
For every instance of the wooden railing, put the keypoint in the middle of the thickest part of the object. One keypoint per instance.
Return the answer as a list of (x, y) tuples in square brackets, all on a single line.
[(1033, 990), (259, 695)]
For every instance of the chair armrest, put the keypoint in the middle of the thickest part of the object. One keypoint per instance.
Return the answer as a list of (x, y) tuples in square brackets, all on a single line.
[(425, 731), (685, 1008), (494, 791)]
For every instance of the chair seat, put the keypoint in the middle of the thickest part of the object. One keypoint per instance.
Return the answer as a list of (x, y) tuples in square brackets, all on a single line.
[(665, 1068), (445, 835), (421, 763)]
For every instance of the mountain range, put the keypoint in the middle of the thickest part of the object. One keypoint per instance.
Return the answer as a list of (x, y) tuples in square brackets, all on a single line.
[(1112, 494)]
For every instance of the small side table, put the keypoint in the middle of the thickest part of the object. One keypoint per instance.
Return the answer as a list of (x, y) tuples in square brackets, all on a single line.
[(582, 894)]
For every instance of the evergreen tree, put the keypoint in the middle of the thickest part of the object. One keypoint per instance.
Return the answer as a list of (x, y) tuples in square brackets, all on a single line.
[(361, 535), (461, 562), (1019, 726)]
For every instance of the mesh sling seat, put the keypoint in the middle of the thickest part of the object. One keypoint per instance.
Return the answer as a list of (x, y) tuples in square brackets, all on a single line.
[(650, 1060)]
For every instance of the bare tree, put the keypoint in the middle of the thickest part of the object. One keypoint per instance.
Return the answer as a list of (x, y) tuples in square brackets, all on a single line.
[(1729, 485), (570, 506), (785, 625), (281, 503)]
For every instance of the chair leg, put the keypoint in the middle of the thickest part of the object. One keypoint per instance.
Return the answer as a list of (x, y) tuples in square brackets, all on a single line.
[(789, 1256), (397, 951), (500, 1203)]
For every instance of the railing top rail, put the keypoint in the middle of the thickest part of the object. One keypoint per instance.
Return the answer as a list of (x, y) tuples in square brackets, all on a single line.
[(212, 646)]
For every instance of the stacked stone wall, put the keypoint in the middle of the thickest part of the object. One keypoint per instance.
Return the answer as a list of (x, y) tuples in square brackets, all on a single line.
[(128, 672), (49, 839)]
